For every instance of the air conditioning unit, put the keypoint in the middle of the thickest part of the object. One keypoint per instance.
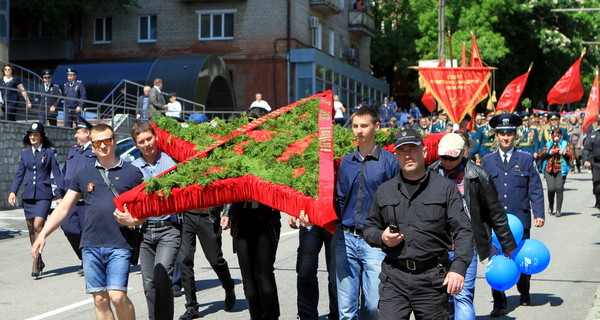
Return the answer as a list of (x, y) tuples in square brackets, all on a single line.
[(353, 53), (313, 22)]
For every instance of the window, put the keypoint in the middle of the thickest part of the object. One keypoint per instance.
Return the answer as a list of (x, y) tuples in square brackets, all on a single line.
[(4, 21), (148, 29), (103, 30), (215, 25), (317, 40)]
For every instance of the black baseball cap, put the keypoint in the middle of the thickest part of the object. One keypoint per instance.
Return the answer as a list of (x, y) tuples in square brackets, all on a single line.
[(407, 136)]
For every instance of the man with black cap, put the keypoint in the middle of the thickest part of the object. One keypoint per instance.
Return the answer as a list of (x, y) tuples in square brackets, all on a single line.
[(416, 218), (48, 102), (520, 192), (74, 92), (591, 157), (79, 155)]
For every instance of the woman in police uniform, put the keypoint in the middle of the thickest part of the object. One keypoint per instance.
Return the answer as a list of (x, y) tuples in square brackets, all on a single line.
[(36, 163)]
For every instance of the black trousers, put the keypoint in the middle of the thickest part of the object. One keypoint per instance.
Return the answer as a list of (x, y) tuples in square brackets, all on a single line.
[(312, 239), (402, 293), (209, 234), (596, 182), (522, 286), (256, 248), (555, 183)]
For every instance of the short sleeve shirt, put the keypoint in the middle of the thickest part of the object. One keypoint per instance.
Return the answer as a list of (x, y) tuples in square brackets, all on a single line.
[(100, 228)]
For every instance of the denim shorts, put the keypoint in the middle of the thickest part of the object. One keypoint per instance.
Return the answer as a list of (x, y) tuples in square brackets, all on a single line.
[(105, 269)]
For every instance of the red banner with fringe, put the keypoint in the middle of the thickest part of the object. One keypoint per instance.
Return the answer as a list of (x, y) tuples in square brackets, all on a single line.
[(249, 186), (456, 89)]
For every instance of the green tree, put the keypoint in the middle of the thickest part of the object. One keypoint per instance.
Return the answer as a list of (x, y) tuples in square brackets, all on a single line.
[(510, 35)]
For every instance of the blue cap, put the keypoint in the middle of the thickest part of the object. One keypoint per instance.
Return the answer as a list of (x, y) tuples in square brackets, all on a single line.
[(554, 116), (198, 118), (71, 71), (525, 115), (506, 122)]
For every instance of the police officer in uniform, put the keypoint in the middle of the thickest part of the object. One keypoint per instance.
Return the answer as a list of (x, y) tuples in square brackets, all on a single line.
[(529, 142), (546, 133), (486, 137), (79, 155), (48, 105), (36, 163), (73, 89), (591, 156), (520, 192)]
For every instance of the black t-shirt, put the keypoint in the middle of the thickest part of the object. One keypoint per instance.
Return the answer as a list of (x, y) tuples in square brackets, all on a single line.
[(100, 229), (411, 185)]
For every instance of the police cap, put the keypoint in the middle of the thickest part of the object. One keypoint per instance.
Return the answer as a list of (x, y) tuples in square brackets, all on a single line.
[(506, 122), (36, 127), (82, 123), (71, 71), (46, 73), (525, 115), (554, 116)]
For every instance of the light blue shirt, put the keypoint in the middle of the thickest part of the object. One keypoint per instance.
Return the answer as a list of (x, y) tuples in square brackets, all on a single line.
[(162, 162)]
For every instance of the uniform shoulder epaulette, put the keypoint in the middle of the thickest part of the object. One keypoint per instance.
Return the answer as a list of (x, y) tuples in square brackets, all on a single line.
[(489, 154), (75, 146)]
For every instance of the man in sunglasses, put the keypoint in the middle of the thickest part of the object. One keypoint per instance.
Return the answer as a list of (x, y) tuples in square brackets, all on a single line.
[(481, 199), (106, 249)]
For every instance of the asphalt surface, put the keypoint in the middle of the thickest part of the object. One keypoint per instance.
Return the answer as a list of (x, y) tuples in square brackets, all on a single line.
[(567, 289)]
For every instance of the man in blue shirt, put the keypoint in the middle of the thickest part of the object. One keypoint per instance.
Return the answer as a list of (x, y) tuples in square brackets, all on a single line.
[(162, 235), (106, 247), (357, 263)]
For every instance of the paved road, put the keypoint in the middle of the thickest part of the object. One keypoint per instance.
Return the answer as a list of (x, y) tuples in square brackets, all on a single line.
[(566, 290)]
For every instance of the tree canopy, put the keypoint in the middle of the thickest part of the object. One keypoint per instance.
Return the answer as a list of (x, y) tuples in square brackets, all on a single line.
[(510, 35)]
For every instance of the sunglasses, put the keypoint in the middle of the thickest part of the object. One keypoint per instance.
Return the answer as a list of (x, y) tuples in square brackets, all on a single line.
[(449, 158), (106, 142)]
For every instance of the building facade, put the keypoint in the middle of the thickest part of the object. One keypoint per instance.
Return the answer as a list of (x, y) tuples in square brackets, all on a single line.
[(285, 49)]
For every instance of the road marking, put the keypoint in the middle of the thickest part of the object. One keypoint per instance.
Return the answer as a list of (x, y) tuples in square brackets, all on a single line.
[(288, 233), (63, 309)]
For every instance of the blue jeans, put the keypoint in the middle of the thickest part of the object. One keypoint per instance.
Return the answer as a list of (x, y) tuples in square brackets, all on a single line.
[(105, 269), (312, 239), (358, 266), (462, 303), (158, 253)]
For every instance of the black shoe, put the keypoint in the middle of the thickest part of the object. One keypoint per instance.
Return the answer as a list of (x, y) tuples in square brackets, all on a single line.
[(230, 299), (177, 293), (190, 313), (525, 300), (497, 312)]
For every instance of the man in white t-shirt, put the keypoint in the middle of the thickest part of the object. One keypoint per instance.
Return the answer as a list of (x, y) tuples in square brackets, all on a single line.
[(173, 107), (260, 103)]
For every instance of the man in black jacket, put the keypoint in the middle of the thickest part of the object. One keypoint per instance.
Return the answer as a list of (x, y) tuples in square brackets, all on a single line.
[(413, 219), (481, 200)]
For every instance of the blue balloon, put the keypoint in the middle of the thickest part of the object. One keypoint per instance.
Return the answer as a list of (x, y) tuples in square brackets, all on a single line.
[(516, 227), (501, 273), (532, 256)]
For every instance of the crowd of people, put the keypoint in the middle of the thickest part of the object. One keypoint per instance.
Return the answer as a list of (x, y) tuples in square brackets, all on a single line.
[(409, 236)]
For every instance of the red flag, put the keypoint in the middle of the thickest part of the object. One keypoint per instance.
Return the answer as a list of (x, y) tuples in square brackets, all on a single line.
[(463, 56), (512, 93), (428, 100), (569, 88), (591, 111), (455, 89), (476, 62)]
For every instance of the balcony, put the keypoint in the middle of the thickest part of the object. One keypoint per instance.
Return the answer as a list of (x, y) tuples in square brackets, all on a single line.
[(361, 23), (327, 7), (40, 49)]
